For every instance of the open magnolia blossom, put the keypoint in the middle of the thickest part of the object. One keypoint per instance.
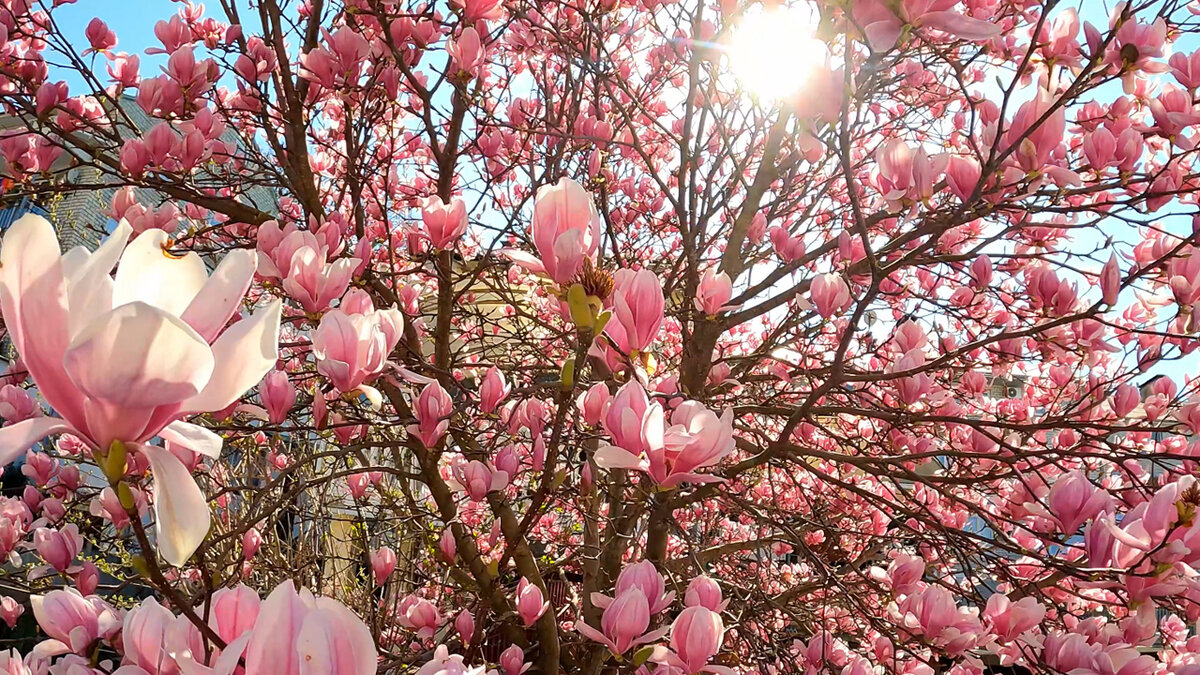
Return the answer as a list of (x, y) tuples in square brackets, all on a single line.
[(125, 357)]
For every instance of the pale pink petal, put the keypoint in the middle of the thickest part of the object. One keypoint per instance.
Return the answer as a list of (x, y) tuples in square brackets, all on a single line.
[(333, 640), (612, 457), (181, 517), (15, 439), (139, 356), (272, 648), (244, 354), (524, 260), (91, 285), (216, 302)]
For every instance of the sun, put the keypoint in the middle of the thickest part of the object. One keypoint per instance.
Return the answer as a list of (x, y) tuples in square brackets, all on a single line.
[(772, 52)]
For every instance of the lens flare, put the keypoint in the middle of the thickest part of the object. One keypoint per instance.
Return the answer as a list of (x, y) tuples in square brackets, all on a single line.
[(773, 52)]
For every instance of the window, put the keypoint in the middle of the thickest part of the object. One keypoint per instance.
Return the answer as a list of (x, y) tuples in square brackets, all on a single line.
[(11, 210)]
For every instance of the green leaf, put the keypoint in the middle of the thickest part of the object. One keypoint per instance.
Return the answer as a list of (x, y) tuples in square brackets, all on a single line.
[(640, 656)]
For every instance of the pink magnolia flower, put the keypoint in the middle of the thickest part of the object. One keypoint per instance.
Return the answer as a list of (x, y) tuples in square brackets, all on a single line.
[(830, 294), (714, 292), (278, 395), (467, 53), (704, 591), (696, 439), (530, 603), (420, 615), (1125, 399), (444, 223), (789, 248), (383, 563), (10, 610), (144, 637), (251, 542), (882, 25), (1074, 500), (633, 423), (478, 479), (696, 636), (16, 405), (353, 347), (1110, 281), (933, 614), (492, 390), (447, 545), (432, 410), (962, 175), (638, 307), (72, 621), (474, 10), (903, 173), (314, 283), (623, 623), (512, 661), (464, 623), (1010, 619), (88, 578), (445, 663), (565, 230), (593, 403), (58, 547), (99, 36), (357, 484), (296, 632), (234, 612), (125, 358), (644, 576)]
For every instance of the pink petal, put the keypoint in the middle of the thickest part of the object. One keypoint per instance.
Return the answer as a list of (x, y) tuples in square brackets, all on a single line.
[(244, 354), (524, 260), (272, 648), (216, 302), (333, 640), (91, 285), (15, 439), (883, 35), (593, 634), (33, 299), (959, 25)]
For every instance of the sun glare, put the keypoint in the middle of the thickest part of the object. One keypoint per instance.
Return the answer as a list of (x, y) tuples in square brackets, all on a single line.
[(773, 52)]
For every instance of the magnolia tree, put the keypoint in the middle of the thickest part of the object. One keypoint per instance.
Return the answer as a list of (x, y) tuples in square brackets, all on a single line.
[(604, 336)]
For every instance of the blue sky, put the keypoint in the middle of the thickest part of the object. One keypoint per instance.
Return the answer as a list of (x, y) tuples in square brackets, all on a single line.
[(134, 21)]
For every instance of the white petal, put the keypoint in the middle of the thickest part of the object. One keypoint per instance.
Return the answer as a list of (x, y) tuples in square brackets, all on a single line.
[(193, 437), (181, 518), (149, 274)]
